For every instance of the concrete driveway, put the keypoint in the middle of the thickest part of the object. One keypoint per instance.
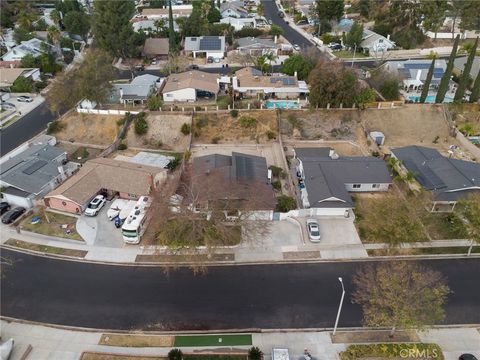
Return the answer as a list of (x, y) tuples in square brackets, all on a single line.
[(99, 231)]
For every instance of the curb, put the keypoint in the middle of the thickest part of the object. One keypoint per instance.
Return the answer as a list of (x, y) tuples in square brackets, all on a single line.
[(225, 331), (233, 263)]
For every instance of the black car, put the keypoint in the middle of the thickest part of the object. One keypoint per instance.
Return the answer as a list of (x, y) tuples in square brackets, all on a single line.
[(12, 215), (194, 67), (4, 207), (467, 357)]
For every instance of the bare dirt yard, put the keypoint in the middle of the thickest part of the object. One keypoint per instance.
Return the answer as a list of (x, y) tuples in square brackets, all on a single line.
[(342, 148), (80, 153), (163, 133), (252, 127), (88, 128), (413, 124), (320, 125)]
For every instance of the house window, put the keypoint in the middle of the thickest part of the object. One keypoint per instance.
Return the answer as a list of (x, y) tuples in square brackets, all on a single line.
[(64, 203), (356, 186), (375, 186)]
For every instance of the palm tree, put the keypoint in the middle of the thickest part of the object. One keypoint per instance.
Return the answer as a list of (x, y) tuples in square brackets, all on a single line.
[(270, 57)]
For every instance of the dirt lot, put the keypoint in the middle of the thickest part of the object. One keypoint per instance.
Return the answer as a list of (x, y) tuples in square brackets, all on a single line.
[(79, 153), (163, 133), (342, 148), (322, 124), (411, 125), (89, 128), (222, 128)]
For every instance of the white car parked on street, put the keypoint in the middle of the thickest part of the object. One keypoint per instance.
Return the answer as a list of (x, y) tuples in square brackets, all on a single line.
[(95, 205)]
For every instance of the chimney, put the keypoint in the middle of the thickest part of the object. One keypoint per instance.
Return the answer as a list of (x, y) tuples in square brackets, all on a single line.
[(419, 73)]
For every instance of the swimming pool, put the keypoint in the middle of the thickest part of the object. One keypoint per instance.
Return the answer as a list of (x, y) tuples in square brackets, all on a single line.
[(430, 99), (281, 104)]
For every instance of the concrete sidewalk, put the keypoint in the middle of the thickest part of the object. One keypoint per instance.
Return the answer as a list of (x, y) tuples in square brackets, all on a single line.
[(50, 343)]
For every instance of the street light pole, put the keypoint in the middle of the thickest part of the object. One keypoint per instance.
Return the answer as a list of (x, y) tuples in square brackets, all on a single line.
[(340, 306)]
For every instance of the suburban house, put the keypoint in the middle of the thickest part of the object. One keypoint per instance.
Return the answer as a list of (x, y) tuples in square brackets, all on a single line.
[(240, 23), (250, 82), (459, 65), (177, 11), (145, 25), (32, 173), (9, 75), (374, 43), (413, 74), (156, 48), (256, 46), (239, 180), (34, 47), (326, 179), (190, 85), (126, 179), (449, 179), (233, 9), (137, 91), (209, 46)]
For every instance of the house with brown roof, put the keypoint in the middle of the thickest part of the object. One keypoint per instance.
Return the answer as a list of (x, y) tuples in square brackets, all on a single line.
[(235, 182), (156, 48), (190, 86), (162, 13), (250, 82), (126, 179), (9, 75)]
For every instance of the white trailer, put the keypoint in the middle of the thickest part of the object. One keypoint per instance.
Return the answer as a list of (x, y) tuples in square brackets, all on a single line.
[(134, 225)]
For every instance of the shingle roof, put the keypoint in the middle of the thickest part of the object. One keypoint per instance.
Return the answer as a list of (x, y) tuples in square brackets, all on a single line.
[(325, 178), (449, 179), (109, 174), (192, 79), (32, 169), (156, 46), (240, 176), (257, 43)]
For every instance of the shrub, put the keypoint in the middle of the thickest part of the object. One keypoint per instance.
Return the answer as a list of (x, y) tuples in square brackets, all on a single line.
[(154, 103), (216, 139), (54, 127), (296, 124), (248, 32), (277, 185), (122, 146), (270, 135), (435, 140), (223, 102), (201, 121), (22, 85), (186, 129), (175, 354), (276, 171), (467, 129), (254, 353), (248, 121), (285, 203), (141, 126), (328, 38), (172, 165), (234, 113), (121, 121)]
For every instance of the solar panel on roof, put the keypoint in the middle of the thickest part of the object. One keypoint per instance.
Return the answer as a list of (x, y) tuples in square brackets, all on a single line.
[(35, 166), (210, 43), (416, 66)]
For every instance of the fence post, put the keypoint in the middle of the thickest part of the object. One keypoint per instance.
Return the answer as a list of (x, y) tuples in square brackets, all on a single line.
[(328, 106), (393, 105), (248, 106), (217, 108), (171, 108), (228, 107), (183, 109), (206, 109), (341, 105), (379, 105), (354, 106), (261, 106)]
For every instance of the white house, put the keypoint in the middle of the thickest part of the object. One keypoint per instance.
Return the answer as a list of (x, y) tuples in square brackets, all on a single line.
[(233, 9), (256, 46), (137, 91), (190, 85), (325, 179), (34, 47), (210, 46), (239, 23), (375, 43)]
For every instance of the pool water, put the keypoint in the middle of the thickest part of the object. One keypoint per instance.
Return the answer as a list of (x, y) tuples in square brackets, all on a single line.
[(430, 99), (281, 104)]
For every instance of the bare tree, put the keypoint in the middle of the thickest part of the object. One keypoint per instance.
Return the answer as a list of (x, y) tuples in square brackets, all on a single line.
[(400, 295)]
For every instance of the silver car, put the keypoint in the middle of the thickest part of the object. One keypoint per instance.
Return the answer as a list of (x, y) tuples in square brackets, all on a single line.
[(313, 230)]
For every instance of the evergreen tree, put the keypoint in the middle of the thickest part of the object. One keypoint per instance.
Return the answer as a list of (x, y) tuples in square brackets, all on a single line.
[(426, 84), (172, 41), (475, 95), (465, 77), (443, 87)]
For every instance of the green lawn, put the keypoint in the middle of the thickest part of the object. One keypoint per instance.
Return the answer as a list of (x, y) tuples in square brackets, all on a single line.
[(57, 225), (345, 54), (444, 226), (213, 340)]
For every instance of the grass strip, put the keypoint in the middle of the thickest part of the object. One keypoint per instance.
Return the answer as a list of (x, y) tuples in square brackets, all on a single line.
[(136, 340), (446, 250), (45, 248), (213, 340)]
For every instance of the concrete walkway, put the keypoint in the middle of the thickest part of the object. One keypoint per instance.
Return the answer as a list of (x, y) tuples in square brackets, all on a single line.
[(49, 343)]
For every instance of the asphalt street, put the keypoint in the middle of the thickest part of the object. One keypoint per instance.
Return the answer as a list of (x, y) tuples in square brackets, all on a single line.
[(227, 297), (25, 128)]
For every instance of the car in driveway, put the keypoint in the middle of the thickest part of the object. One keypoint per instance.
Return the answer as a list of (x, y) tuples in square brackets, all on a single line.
[(4, 207), (24, 99), (335, 46), (313, 230), (297, 47), (8, 106), (11, 215), (95, 205)]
